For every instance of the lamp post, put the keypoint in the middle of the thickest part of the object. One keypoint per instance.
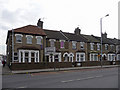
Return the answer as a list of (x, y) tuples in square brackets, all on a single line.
[(101, 35)]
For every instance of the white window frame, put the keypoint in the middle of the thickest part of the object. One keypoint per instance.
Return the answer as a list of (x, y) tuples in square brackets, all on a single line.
[(118, 57), (82, 45), (27, 41), (29, 55), (52, 42), (110, 57), (91, 46), (79, 54), (106, 46), (71, 55), (98, 46), (39, 42), (112, 47), (66, 60), (93, 54), (74, 44), (16, 37)]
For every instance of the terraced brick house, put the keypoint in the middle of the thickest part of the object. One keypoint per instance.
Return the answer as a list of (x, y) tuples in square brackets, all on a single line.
[(34, 47), (26, 44), (108, 48), (93, 48), (77, 46)]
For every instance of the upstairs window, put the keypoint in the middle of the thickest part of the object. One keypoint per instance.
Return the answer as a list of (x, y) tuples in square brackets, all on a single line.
[(98, 46), (62, 43), (82, 45), (74, 44), (106, 46), (29, 39), (92, 46), (112, 47), (39, 40), (18, 38), (52, 42)]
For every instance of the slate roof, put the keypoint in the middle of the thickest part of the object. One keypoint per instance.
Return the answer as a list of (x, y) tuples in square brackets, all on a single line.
[(90, 38), (53, 34), (104, 40), (74, 37), (115, 41)]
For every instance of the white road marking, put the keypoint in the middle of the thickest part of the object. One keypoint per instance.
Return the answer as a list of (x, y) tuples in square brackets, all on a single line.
[(81, 79), (22, 87)]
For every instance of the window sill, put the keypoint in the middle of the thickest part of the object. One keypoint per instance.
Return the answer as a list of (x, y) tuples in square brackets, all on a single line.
[(29, 43), (18, 42)]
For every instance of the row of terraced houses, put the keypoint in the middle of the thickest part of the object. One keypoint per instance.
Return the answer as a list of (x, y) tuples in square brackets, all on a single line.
[(33, 47)]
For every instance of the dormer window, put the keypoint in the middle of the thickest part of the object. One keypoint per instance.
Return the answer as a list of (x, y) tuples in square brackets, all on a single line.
[(39, 40), (29, 39), (18, 38)]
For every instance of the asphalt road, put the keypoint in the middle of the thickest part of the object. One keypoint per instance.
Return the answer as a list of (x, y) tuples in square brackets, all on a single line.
[(88, 78)]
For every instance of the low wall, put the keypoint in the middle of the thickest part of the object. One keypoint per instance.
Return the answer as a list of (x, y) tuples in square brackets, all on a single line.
[(29, 66), (96, 63)]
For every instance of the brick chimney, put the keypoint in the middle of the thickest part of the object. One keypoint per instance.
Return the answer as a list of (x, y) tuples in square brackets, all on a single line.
[(40, 24), (104, 35), (77, 31)]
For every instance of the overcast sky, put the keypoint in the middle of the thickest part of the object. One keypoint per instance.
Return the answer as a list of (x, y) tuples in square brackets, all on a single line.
[(63, 15)]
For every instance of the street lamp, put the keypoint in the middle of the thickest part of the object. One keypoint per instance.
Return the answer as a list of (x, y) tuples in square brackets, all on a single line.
[(101, 35)]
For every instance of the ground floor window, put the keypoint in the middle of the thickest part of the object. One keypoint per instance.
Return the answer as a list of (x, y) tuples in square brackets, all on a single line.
[(94, 57), (28, 56), (118, 56), (80, 57), (111, 57), (54, 57)]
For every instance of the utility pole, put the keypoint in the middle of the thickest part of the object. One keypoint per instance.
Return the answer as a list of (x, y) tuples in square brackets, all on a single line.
[(101, 35)]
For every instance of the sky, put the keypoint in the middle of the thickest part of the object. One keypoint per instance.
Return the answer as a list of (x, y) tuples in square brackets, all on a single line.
[(63, 15)]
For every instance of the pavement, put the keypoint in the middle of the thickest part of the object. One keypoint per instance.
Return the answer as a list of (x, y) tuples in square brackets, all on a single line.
[(7, 71)]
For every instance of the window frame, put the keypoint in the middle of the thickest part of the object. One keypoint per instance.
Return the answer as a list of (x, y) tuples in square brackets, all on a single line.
[(62, 45), (82, 44), (98, 46), (52, 42), (27, 39), (16, 35), (74, 44), (37, 39), (106, 47), (78, 57), (91, 46)]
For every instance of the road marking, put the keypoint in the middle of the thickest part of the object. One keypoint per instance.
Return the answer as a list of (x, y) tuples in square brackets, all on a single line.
[(22, 87), (81, 79)]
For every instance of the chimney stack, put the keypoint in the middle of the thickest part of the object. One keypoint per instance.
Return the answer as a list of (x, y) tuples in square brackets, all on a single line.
[(104, 35), (77, 31), (40, 24)]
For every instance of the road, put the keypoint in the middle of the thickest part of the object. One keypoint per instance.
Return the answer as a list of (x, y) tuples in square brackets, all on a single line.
[(87, 78)]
